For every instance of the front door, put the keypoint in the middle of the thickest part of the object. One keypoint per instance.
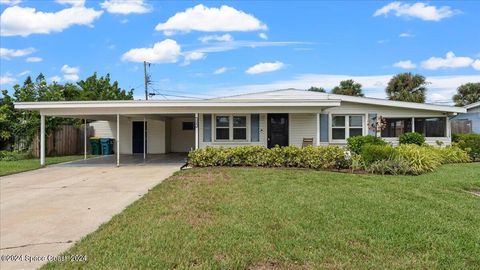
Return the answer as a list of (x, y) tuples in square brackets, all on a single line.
[(277, 129), (137, 137)]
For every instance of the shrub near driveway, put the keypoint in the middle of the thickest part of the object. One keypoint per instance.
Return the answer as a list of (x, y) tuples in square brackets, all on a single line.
[(469, 143)]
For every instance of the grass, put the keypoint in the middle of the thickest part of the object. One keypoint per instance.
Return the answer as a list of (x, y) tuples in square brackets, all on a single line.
[(256, 218), (10, 167)]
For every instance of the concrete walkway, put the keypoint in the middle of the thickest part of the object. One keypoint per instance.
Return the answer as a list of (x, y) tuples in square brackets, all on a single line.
[(44, 212)]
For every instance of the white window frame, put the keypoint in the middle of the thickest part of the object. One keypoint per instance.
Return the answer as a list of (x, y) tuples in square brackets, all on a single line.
[(230, 128), (447, 130), (347, 126)]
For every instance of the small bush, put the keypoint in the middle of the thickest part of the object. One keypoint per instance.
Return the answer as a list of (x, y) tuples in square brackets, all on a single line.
[(394, 165), (14, 155), (420, 159), (324, 157), (356, 143), (412, 138), (372, 153), (452, 154), (469, 143)]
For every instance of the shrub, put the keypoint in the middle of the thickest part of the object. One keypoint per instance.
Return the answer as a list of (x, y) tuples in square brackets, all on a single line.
[(14, 155), (470, 143), (324, 157), (420, 159), (394, 165), (452, 154), (372, 153), (412, 138), (356, 143)]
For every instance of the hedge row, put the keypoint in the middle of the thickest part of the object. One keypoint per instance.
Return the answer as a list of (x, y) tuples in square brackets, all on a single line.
[(468, 142)]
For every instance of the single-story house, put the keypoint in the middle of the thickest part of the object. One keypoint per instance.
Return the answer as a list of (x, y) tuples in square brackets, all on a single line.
[(467, 122), (282, 117)]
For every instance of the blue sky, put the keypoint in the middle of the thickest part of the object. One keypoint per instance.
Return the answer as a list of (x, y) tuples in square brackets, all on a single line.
[(215, 48)]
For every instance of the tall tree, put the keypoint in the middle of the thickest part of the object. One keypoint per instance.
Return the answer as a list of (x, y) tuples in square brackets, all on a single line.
[(349, 88), (316, 89), (93, 88), (467, 94), (407, 87)]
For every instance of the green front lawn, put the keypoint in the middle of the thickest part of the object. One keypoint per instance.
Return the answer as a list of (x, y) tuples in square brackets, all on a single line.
[(237, 218), (9, 167)]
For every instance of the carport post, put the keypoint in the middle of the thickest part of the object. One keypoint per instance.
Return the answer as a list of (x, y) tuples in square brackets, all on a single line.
[(118, 140), (42, 140), (318, 130), (196, 131), (144, 140), (85, 138)]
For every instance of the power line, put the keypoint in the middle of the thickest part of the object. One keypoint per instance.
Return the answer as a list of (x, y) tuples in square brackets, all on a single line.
[(146, 77)]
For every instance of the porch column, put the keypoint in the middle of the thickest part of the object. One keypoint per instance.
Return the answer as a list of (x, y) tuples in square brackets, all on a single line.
[(42, 140), (318, 129), (85, 139), (196, 131), (118, 140), (144, 140)]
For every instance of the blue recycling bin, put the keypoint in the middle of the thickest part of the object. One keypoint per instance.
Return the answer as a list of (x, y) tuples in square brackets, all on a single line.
[(106, 146)]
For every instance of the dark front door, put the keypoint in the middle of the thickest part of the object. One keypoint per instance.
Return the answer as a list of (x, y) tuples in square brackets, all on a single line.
[(137, 137), (277, 129)]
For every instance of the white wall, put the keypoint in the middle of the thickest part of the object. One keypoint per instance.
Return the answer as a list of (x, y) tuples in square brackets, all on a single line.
[(181, 140), (155, 137), (302, 125), (103, 129)]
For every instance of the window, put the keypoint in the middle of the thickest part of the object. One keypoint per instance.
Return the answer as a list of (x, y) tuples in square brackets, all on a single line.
[(431, 127), (344, 126), (394, 127), (239, 127), (222, 128), (229, 127), (187, 125)]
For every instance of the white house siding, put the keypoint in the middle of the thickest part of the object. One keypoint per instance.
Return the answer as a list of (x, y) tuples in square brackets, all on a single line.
[(385, 111), (181, 140), (103, 129), (155, 137), (262, 138), (302, 125)]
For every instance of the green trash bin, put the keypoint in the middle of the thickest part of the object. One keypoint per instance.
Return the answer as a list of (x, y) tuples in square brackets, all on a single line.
[(95, 146), (107, 146)]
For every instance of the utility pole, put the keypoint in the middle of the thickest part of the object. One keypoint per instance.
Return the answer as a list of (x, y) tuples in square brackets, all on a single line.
[(146, 78)]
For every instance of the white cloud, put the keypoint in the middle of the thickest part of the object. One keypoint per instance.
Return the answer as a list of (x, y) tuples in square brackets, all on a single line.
[(220, 70), (407, 64), (222, 38), (228, 46), (7, 79), (34, 59), (405, 35), (263, 36), (24, 21), (450, 61), (202, 18), (23, 73), (265, 67), (166, 51), (10, 2), (383, 41), (10, 53), (417, 10), (476, 64), (193, 56), (70, 73), (373, 86), (71, 2), (126, 6), (55, 79)]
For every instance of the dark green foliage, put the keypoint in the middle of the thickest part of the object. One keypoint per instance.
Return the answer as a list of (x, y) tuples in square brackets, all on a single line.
[(467, 94), (412, 138), (356, 143), (407, 87), (470, 143), (316, 89), (14, 155), (372, 153), (349, 88)]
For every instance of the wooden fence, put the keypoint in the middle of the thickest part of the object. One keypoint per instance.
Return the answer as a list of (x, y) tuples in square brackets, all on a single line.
[(461, 126), (67, 140)]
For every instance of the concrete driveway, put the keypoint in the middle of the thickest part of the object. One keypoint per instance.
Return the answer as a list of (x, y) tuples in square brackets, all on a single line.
[(44, 212)]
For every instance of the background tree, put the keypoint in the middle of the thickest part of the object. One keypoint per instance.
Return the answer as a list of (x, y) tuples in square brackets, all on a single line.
[(348, 87), (316, 89), (407, 87), (467, 94), (93, 88)]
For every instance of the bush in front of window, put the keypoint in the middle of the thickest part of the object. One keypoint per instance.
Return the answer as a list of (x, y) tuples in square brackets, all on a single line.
[(412, 138), (469, 143), (356, 143), (372, 153)]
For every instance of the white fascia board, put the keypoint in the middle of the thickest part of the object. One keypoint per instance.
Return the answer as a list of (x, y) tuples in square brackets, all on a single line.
[(399, 104), (473, 105)]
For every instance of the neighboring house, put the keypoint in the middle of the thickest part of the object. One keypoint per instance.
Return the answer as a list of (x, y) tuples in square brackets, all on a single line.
[(467, 122), (282, 117)]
